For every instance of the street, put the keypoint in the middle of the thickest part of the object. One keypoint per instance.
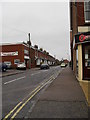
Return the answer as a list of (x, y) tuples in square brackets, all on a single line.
[(45, 60), (18, 90)]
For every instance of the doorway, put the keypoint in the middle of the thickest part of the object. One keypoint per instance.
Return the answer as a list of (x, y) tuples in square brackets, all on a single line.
[(86, 61)]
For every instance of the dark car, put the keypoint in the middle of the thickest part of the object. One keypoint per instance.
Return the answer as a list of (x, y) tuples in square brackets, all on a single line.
[(9, 66), (3, 67), (44, 66)]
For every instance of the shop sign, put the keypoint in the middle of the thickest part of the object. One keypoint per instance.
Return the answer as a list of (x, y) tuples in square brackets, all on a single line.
[(81, 38), (9, 53)]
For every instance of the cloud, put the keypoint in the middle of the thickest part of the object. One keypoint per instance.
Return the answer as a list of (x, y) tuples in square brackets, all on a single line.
[(48, 24)]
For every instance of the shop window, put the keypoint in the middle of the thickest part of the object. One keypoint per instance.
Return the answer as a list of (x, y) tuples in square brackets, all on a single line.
[(16, 61), (86, 61), (87, 56), (87, 11)]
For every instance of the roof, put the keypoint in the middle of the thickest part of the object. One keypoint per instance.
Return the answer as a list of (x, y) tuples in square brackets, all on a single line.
[(16, 43)]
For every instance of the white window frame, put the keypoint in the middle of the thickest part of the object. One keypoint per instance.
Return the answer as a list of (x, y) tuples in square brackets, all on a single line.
[(86, 21)]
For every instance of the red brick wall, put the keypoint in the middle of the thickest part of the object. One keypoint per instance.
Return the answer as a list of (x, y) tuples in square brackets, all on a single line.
[(32, 56), (13, 48), (80, 13), (20, 48)]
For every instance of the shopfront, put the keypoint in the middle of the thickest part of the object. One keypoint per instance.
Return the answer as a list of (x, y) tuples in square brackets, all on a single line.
[(86, 61), (82, 42)]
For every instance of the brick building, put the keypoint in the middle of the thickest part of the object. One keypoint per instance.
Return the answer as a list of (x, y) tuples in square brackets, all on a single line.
[(80, 43), (19, 52), (80, 39)]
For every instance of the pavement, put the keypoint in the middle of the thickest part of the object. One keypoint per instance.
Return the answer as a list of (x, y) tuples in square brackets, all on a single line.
[(64, 98), (10, 72)]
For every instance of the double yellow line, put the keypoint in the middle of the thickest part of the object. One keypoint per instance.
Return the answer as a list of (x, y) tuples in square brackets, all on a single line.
[(20, 105)]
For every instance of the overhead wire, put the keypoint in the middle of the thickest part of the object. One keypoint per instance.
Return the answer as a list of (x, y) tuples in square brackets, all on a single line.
[(16, 29)]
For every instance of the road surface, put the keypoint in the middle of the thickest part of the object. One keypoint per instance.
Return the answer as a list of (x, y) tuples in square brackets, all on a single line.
[(20, 92)]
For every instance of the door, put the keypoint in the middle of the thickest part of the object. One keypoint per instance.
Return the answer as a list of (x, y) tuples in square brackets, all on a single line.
[(86, 61)]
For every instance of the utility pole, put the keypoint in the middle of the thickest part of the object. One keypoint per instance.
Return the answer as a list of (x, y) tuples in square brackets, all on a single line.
[(29, 52)]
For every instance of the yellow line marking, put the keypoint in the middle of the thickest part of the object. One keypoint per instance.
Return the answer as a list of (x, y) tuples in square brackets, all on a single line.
[(32, 92), (38, 87), (19, 104), (28, 100), (25, 98), (46, 81), (12, 111)]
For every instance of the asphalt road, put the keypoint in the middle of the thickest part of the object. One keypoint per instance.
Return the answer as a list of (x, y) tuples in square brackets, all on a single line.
[(18, 87)]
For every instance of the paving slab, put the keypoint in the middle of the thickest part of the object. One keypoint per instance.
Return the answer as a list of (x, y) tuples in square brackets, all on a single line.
[(64, 98), (54, 109)]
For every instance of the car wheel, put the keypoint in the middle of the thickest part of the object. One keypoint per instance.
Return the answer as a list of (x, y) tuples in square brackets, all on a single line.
[(4, 69)]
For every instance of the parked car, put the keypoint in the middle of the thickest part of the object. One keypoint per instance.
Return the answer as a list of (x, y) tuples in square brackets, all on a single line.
[(63, 65), (3, 67), (44, 66), (9, 66), (21, 65)]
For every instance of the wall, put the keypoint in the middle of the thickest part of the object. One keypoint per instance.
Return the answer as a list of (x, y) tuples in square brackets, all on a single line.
[(20, 48), (32, 56), (80, 13), (80, 62), (13, 48)]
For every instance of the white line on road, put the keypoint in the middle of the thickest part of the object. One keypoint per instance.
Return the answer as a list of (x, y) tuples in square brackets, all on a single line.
[(14, 80), (35, 73)]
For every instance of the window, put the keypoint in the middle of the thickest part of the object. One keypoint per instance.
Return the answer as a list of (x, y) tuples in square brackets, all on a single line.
[(87, 56), (7, 62), (86, 61), (87, 11), (16, 61), (26, 52)]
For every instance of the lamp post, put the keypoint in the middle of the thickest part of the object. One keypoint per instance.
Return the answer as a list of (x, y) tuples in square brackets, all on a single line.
[(29, 52)]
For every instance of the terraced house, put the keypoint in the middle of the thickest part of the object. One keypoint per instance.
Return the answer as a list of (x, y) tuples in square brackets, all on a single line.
[(19, 52)]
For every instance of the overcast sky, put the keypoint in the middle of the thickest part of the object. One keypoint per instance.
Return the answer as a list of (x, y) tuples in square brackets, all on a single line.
[(48, 23)]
